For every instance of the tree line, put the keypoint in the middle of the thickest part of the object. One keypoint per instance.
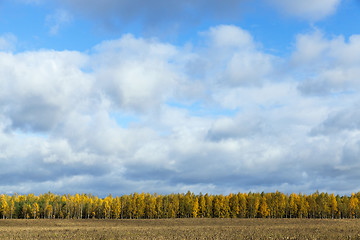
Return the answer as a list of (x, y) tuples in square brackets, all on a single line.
[(180, 205)]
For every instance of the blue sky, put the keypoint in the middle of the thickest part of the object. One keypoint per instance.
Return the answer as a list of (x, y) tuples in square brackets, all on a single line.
[(170, 96)]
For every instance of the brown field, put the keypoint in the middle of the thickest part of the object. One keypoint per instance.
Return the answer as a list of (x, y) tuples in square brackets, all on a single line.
[(181, 229)]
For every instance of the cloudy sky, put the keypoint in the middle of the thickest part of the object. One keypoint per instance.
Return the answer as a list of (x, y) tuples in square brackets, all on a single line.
[(122, 96)]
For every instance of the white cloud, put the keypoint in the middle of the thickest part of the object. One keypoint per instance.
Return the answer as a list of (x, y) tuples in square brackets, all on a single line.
[(156, 15), (233, 58), (39, 88), (246, 130), (57, 20), (312, 10), (8, 42), (136, 73), (327, 65), (229, 36)]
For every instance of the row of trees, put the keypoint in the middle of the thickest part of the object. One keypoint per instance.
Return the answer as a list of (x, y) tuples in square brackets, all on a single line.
[(189, 205)]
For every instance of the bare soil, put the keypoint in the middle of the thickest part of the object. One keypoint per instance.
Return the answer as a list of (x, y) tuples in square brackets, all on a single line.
[(181, 229)]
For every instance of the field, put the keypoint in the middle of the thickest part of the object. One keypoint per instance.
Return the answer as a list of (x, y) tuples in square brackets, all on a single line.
[(181, 229)]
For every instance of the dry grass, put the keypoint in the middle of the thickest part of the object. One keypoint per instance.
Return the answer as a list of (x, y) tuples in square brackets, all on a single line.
[(181, 229)]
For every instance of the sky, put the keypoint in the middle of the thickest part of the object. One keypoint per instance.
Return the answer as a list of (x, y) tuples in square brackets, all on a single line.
[(166, 96)]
